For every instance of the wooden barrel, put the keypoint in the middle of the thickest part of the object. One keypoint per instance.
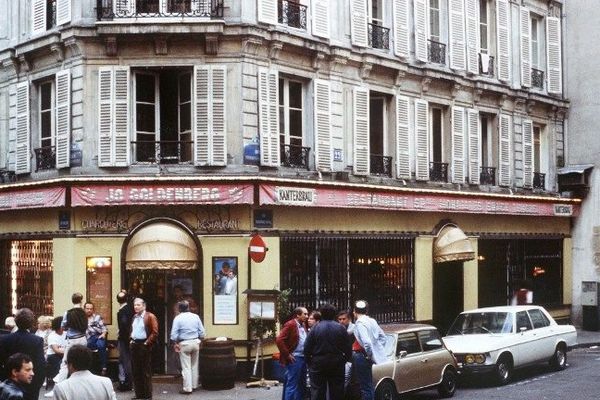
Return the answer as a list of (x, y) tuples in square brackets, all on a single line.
[(217, 365)]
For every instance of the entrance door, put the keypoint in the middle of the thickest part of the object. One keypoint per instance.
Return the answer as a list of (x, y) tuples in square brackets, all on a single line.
[(448, 291)]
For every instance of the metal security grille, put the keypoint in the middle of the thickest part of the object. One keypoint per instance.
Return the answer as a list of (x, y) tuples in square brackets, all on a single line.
[(339, 270)]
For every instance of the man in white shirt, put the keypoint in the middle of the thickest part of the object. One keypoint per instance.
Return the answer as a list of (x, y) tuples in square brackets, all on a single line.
[(186, 333)]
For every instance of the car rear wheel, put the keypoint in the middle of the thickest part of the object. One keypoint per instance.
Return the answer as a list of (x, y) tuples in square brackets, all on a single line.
[(503, 370), (447, 386), (559, 359), (386, 391)]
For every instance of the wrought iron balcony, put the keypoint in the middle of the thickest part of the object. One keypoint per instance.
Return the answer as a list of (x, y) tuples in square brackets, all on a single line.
[(487, 176), (489, 71), (291, 14), (437, 52), (162, 152), (380, 165), (7, 176), (108, 10), (379, 37), (539, 180), (45, 158), (537, 78), (438, 171), (294, 156)]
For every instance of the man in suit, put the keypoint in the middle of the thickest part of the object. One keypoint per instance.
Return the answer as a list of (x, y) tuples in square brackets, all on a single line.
[(20, 375), (144, 332), (124, 318), (82, 384), (23, 341), (290, 343)]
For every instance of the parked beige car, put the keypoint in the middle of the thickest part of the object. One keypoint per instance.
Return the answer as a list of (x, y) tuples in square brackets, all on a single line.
[(417, 359)]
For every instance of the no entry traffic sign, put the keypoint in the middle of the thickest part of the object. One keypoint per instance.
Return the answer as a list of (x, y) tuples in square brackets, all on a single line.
[(257, 249)]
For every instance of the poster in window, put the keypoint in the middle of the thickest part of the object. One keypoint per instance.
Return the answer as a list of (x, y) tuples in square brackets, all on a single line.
[(225, 287), (99, 285)]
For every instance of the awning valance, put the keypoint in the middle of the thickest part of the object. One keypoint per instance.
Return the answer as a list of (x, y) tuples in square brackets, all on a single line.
[(161, 246), (452, 245)]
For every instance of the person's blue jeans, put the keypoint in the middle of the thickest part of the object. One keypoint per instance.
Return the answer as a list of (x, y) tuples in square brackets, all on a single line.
[(96, 343), (364, 374), (295, 379)]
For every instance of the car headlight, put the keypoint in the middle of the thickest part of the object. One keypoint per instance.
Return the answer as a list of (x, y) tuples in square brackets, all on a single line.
[(474, 358)]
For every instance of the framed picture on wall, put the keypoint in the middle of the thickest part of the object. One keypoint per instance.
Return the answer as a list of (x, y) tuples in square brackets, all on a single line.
[(225, 290), (99, 286)]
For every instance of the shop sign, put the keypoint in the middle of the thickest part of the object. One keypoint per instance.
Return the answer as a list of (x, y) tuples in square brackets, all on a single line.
[(104, 225), (167, 194), (219, 225), (263, 218), (34, 198), (409, 201)]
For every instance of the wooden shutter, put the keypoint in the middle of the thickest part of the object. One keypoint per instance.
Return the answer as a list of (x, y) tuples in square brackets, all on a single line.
[(268, 104), (525, 29), (63, 12), (361, 131), (402, 137), (553, 51), (421, 35), (105, 116), (505, 150), (201, 118), (401, 29), (218, 115), (322, 107), (121, 116), (458, 145), (474, 132), (457, 34), (63, 118), (528, 153), (38, 16), (503, 37), (358, 23), (267, 11), (422, 140), (472, 35), (320, 18), (23, 136)]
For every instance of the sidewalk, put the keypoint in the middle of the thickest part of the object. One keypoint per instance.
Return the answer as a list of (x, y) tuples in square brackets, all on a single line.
[(587, 338)]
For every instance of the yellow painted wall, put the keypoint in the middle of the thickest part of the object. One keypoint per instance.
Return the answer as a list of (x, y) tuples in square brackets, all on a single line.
[(568, 271), (423, 278), (470, 280)]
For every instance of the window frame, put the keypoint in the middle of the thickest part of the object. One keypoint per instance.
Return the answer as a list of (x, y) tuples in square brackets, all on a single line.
[(50, 84), (284, 103), (537, 42), (486, 24), (377, 5), (442, 140), (384, 119), (431, 35)]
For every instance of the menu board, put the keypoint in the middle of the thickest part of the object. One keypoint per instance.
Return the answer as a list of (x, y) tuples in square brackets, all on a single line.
[(99, 286)]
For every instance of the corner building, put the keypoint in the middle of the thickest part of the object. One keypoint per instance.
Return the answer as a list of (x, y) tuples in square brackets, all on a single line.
[(400, 151)]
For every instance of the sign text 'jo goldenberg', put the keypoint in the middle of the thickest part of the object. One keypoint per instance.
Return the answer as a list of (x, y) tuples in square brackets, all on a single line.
[(295, 196), (95, 195)]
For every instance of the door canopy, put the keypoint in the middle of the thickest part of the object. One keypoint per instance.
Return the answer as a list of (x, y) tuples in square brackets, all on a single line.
[(452, 244), (161, 245)]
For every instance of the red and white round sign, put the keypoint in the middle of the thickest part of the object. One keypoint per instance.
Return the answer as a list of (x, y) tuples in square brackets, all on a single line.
[(257, 249)]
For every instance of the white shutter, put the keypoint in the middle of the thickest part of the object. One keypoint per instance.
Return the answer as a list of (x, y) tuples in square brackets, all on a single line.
[(267, 11), (505, 151), (218, 115), (105, 116), (457, 34), (23, 136), (422, 140), (121, 116), (123, 7), (474, 129), (113, 116), (528, 155), (268, 104), (401, 29), (472, 35), (38, 16), (503, 37), (201, 118), (322, 107), (458, 145), (525, 28), (402, 137), (63, 118), (358, 23), (361, 131), (63, 12), (421, 35), (320, 18), (553, 50)]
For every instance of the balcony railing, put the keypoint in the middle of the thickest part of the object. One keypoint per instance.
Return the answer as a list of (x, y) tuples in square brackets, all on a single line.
[(108, 10), (486, 65), (291, 14), (294, 156), (381, 165), (45, 158), (162, 152), (438, 171), (539, 180), (7, 176), (437, 52), (537, 78), (487, 176), (379, 37)]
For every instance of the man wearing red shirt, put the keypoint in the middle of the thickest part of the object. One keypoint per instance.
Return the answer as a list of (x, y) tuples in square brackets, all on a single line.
[(290, 342)]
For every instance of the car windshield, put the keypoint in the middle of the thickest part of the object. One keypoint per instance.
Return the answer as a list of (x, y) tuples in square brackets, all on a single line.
[(481, 322)]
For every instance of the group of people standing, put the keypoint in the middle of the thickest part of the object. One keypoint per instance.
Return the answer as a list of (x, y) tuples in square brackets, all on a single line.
[(337, 353)]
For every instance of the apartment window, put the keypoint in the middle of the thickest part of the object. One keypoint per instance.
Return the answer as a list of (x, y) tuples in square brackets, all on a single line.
[(434, 20), (488, 150), (376, 12), (291, 123), (380, 164), (535, 43), (483, 26), (536, 149), (292, 13), (436, 135), (46, 113)]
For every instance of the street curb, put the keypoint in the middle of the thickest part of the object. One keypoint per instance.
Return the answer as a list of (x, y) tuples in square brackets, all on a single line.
[(582, 345)]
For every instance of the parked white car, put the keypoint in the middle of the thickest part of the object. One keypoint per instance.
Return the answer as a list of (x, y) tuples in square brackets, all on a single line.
[(496, 340)]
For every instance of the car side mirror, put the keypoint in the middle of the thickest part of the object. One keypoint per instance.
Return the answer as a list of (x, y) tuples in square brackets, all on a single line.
[(402, 353)]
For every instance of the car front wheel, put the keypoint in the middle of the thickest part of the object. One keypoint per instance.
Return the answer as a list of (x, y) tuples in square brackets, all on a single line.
[(559, 359), (503, 370), (386, 391), (447, 386)]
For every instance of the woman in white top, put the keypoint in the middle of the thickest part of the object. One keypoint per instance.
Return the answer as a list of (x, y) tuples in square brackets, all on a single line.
[(57, 341)]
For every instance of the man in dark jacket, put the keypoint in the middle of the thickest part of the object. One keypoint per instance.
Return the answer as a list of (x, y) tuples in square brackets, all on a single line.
[(20, 375), (124, 319), (23, 341), (327, 349), (290, 343)]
